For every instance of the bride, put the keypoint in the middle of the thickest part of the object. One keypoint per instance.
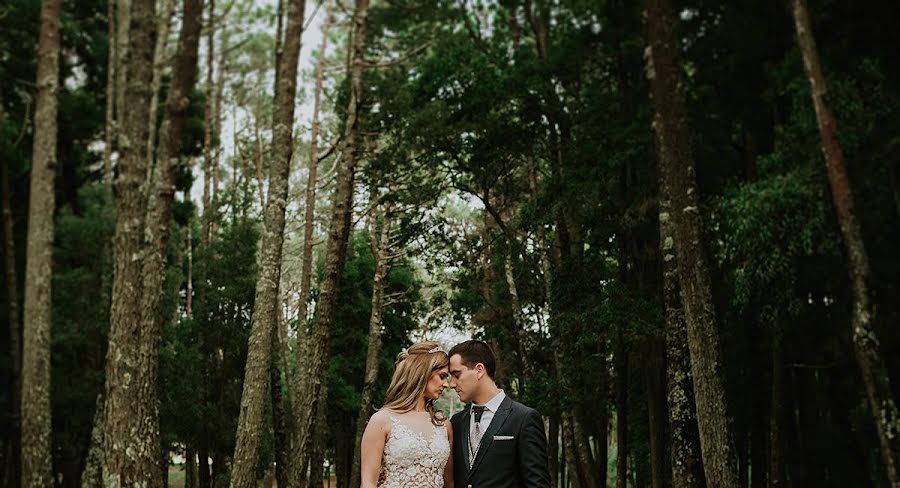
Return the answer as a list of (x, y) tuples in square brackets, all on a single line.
[(407, 443)]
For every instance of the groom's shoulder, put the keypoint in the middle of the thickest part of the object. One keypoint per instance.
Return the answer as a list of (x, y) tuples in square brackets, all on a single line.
[(521, 408), (455, 418)]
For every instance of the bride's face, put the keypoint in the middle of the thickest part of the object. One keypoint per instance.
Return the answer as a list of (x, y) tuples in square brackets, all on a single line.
[(436, 383)]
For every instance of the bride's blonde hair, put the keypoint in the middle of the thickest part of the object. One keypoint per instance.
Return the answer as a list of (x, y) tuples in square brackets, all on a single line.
[(412, 369)]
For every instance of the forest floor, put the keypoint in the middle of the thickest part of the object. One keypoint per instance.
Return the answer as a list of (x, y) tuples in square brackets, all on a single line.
[(176, 478)]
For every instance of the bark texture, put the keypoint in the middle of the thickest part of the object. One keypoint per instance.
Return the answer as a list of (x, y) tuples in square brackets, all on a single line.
[(208, 91), (130, 437), (673, 149), (865, 341), (160, 58), (35, 409), (621, 410), (317, 452), (553, 449), (267, 303), (336, 252), (687, 466), (583, 448), (379, 242), (92, 475), (280, 432), (520, 327), (123, 28), (576, 471), (160, 206), (299, 380), (109, 131), (312, 179)]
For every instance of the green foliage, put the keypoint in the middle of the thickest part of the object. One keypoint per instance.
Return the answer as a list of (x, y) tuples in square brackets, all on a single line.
[(769, 230), (202, 357), (81, 285), (349, 340)]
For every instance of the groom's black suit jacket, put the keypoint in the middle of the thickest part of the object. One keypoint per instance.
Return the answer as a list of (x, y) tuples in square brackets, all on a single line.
[(513, 450)]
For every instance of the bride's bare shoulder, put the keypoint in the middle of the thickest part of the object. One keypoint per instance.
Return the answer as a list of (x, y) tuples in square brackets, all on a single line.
[(381, 415), (380, 421)]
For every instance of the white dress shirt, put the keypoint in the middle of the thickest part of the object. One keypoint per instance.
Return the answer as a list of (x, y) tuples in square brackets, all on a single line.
[(490, 408)]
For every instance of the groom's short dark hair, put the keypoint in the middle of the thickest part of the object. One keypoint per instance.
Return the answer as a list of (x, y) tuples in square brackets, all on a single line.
[(473, 352)]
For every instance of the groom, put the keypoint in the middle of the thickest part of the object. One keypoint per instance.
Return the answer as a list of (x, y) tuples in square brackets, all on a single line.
[(497, 442)]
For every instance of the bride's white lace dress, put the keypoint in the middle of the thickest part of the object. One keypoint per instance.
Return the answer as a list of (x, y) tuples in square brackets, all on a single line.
[(414, 459)]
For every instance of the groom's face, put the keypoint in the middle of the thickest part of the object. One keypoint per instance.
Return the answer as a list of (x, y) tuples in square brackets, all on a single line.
[(464, 379)]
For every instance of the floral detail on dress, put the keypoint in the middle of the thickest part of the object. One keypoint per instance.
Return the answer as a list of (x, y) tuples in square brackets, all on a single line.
[(411, 460)]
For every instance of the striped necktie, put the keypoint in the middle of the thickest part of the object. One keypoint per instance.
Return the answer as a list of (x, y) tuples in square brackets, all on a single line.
[(475, 438)]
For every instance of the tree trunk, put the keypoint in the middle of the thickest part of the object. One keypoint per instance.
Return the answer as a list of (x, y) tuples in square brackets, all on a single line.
[(553, 450), (575, 475), (279, 35), (310, 211), (317, 451), (655, 371), (603, 422), (379, 243), (778, 416), (564, 463), (687, 467), (217, 120), (677, 171), (621, 411), (218, 470), (92, 475), (131, 442), (189, 275), (164, 467), (743, 453), (204, 476), (159, 219), (204, 479), (12, 446), (342, 459), (161, 201), (279, 414), (208, 104), (520, 329), (160, 56), (865, 342), (282, 407), (190, 467), (339, 233), (109, 131), (309, 223), (123, 28), (759, 421), (266, 305), (35, 442), (583, 449)]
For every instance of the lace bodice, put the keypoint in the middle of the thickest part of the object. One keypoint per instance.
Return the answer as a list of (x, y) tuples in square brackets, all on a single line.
[(412, 459)]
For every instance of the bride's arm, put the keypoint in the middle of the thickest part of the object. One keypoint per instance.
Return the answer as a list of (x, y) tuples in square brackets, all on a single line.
[(448, 468), (372, 448)]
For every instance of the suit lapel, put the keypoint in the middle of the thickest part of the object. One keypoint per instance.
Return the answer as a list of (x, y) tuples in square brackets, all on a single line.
[(465, 437), (488, 437)]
